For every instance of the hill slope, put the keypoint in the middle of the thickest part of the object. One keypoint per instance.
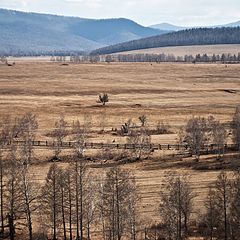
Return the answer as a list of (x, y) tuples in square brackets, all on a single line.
[(200, 36), (168, 27), (26, 32), (171, 27), (235, 24)]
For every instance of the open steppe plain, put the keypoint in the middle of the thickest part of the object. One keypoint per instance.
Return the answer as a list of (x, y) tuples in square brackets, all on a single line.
[(169, 92)]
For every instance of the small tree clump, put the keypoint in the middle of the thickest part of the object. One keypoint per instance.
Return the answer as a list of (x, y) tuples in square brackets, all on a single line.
[(103, 98), (143, 120)]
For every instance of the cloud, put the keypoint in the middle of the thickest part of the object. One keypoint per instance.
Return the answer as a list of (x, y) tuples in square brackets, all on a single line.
[(181, 12)]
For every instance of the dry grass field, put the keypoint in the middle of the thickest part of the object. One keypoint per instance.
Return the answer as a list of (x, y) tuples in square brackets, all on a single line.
[(192, 50), (169, 92)]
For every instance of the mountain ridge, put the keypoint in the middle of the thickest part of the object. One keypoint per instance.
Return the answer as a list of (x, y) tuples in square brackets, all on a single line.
[(21, 31), (172, 27)]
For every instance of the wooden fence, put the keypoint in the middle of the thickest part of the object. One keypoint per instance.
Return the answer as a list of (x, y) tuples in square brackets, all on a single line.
[(154, 146)]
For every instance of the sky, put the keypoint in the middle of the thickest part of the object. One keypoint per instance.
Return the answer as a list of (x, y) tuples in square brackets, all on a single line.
[(145, 12)]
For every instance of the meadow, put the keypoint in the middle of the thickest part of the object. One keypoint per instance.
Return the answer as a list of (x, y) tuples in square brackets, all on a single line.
[(168, 92)]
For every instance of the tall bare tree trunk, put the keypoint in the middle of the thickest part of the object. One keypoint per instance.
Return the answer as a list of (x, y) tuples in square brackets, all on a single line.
[(1, 195), (63, 214), (77, 201), (70, 205), (54, 208), (81, 199), (225, 214), (179, 211)]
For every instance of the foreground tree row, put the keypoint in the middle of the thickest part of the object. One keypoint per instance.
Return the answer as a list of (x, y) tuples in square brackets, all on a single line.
[(74, 203)]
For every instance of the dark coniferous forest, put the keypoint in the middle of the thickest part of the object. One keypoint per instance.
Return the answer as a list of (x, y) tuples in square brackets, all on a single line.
[(196, 36)]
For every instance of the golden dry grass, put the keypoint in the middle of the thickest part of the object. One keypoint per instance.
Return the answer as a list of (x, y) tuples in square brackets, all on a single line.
[(164, 91), (170, 92)]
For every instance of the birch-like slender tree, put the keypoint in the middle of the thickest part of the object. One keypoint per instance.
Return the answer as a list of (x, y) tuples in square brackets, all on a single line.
[(236, 127), (58, 135), (51, 200), (176, 205), (118, 191)]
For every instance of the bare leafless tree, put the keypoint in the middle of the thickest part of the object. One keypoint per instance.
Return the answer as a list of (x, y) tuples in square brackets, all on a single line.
[(58, 135), (13, 191), (28, 126), (90, 203), (162, 128), (236, 127), (80, 133), (79, 138), (143, 120), (29, 197), (176, 205), (62, 182), (2, 192), (69, 199), (117, 204), (140, 142), (218, 208), (235, 207), (4, 137), (195, 135), (211, 218), (218, 135), (51, 199)]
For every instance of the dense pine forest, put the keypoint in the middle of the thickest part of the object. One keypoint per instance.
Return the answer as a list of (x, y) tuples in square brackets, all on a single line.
[(196, 36)]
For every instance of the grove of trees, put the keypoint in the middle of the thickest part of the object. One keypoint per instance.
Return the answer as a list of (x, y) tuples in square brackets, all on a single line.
[(75, 202)]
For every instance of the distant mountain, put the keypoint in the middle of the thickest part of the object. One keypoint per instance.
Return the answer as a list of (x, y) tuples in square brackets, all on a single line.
[(234, 24), (168, 27), (27, 33), (171, 27), (195, 36)]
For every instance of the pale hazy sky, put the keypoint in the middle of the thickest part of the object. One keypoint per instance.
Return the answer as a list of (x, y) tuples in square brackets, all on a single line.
[(146, 12)]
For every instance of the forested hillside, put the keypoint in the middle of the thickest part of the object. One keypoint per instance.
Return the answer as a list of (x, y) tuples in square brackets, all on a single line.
[(32, 33), (197, 36)]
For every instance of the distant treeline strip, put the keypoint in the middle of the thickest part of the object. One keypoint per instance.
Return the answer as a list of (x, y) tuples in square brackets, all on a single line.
[(141, 57), (196, 36)]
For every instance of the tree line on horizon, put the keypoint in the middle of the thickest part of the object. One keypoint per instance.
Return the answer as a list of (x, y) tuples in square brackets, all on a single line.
[(158, 58)]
